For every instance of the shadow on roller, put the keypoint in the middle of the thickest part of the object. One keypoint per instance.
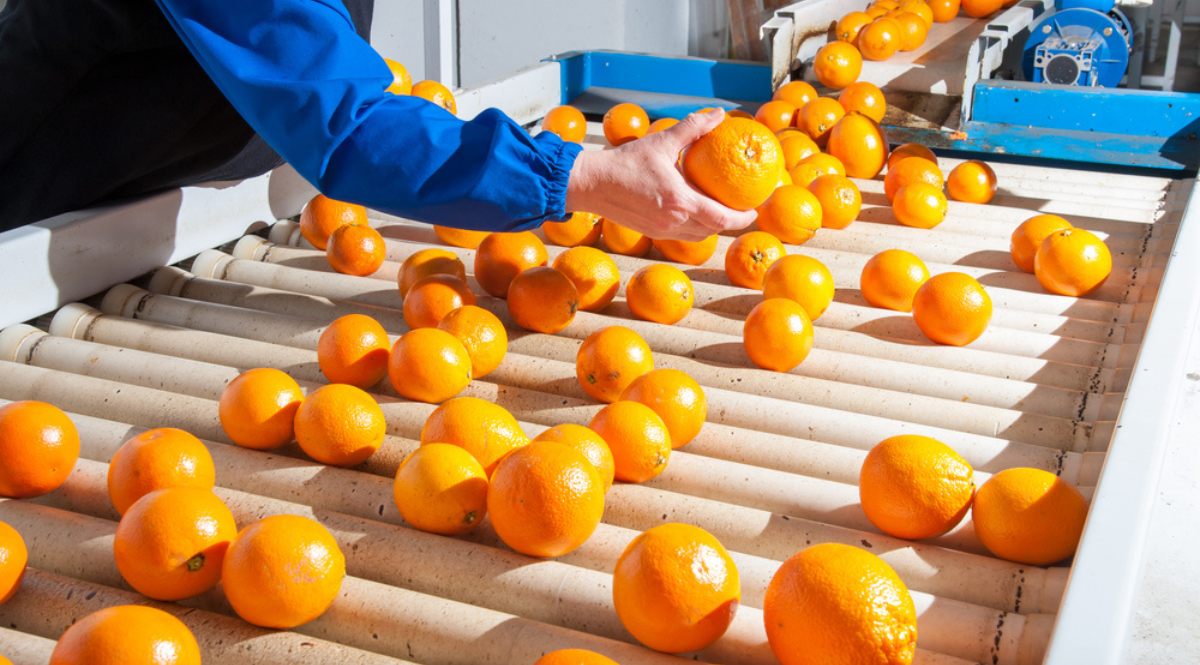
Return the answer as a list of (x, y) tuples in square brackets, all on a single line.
[(894, 329), (990, 259)]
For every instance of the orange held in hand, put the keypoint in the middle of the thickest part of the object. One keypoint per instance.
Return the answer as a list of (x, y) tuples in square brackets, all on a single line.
[(692, 253), (587, 443), (1029, 516), (972, 182), (621, 240), (891, 278), (839, 198), (920, 205), (545, 499), (837, 65), (503, 256), (354, 350), (738, 163), (13, 558), (834, 603), (803, 280), (660, 293), (567, 122), (860, 144), (401, 79), (340, 425), (778, 334), (624, 123), (792, 214), (429, 365), (486, 430), (482, 335), (283, 571), (574, 657), (1072, 262), (865, 98), (638, 438), (594, 274), (355, 249), (39, 445), (431, 298), (952, 308), (675, 588), (157, 459), (460, 237), (676, 398), (910, 170), (441, 488), (1027, 238), (609, 360), (915, 487), (426, 262), (323, 215), (258, 409), (543, 300), (127, 635), (749, 257), (436, 93), (582, 229)]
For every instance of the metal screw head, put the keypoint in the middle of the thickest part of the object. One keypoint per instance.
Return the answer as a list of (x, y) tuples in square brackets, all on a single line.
[(1046, 29), (1108, 32)]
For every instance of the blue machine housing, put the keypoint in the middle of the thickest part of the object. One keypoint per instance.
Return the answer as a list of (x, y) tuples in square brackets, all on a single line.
[(1084, 43)]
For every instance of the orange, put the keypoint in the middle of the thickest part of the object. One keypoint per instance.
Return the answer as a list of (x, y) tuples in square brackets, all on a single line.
[(880, 40), (792, 214), (464, 238), (796, 147), (785, 178), (594, 275), (661, 124), (170, 544), (1028, 237), (850, 25), (157, 459), (891, 278), (980, 8), (874, 13), (910, 170), (257, 409), (1029, 516), (889, 5), (943, 10), (952, 308), (354, 349), (567, 122), (625, 241), (638, 438), (796, 93), (426, 262), (675, 588), (545, 499), (865, 98), (609, 360), (818, 117), (778, 334), (355, 249), (972, 182), (441, 488), (737, 163), (283, 571), (803, 280), (486, 430), (913, 30), (837, 65), (543, 300), (13, 558), (624, 123), (436, 93), (749, 257), (401, 79), (582, 229), (482, 335), (839, 198), (502, 256), (860, 144), (676, 398), (431, 298), (910, 150), (323, 215), (660, 293), (1072, 262), (834, 603), (915, 487), (921, 9), (588, 443), (429, 365), (574, 657), (738, 113), (920, 205), (127, 635), (776, 114), (814, 166), (692, 253), (340, 425), (39, 445)]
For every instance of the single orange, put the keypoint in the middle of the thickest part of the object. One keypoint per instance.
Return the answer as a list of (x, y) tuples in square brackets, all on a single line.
[(127, 635), (688, 252), (921, 9), (638, 438), (1027, 238), (354, 349), (737, 163), (803, 280), (283, 571), (574, 657), (594, 274), (792, 214), (1072, 262), (814, 166), (943, 10), (839, 198), (1029, 516), (431, 298), (625, 241), (910, 150), (675, 588), (258, 408), (426, 262), (543, 300), (323, 215), (582, 229), (778, 334), (624, 123), (39, 445), (891, 278), (340, 425), (749, 257), (972, 182), (436, 93), (952, 308), (482, 335), (441, 488), (889, 5), (661, 124), (588, 443), (874, 13), (865, 98), (676, 398), (401, 79), (920, 205), (910, 170), (981, 8), (157, 459), (850, 25), (913, 30), (880, 39), (355, 249), (170, 544), (545, 499), (660, 293), (429, 365), (14, 557), (609, 360), (486, 430), (796, 147), (776, 114), (738, 113), (818, 117), (915, 487), (503, 256), (567, 122), (837, 65), (833, 603), (796, 93), (464, 238), (860, 144)]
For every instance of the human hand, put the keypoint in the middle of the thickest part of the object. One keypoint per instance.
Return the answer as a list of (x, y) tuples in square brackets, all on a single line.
[(639, 186)]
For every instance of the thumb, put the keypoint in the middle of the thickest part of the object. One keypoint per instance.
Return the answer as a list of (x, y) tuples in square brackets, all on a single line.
[(694, 126)]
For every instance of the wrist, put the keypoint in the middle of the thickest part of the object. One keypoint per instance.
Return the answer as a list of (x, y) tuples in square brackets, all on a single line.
[(581, 183)]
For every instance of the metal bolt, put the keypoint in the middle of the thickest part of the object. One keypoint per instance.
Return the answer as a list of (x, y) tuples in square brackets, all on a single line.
[(1046, 29), (1108, 32)]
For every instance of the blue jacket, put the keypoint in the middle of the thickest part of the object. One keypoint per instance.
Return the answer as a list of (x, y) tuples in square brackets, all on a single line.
[(316, 92)]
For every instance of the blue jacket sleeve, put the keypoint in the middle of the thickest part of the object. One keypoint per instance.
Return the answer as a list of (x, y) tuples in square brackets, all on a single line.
[(316, 92)]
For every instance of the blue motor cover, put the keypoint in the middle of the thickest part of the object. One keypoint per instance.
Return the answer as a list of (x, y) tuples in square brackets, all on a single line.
[(1078, 46)]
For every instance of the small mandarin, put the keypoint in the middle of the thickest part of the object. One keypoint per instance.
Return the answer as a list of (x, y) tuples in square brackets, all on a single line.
[(778, 334), (796, 93), (542, 299), (839, 198), (1072, 262), (1027, 238), (258, 409), (860, 144), (340, 425), (802, 279), (837, 65), (574, 657), (323, 215), (464, 238), (582, 229), (609, 360), (355, 249), (915, 487), (482, 335), (971, 182), (429, 365), (503, 256), (749, 257), (157, 459), (676, 398), (401, 79), (354, 350), (910, 150), (567, 122), (13, 559), (436, 93), (441, 488), (638, 438), (39, 445), (952, 308), (426, 262), (486, 430), (891, 278), (920, 205), (660, 293), (431, 298), (594, 274), (692, 253), (865, 98), (587, 443), (910, 170), (776, 114), (1029, 516), (737, 163), (818, 117), (125, 635), (624, 123), (625, 241), (792, 214)]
